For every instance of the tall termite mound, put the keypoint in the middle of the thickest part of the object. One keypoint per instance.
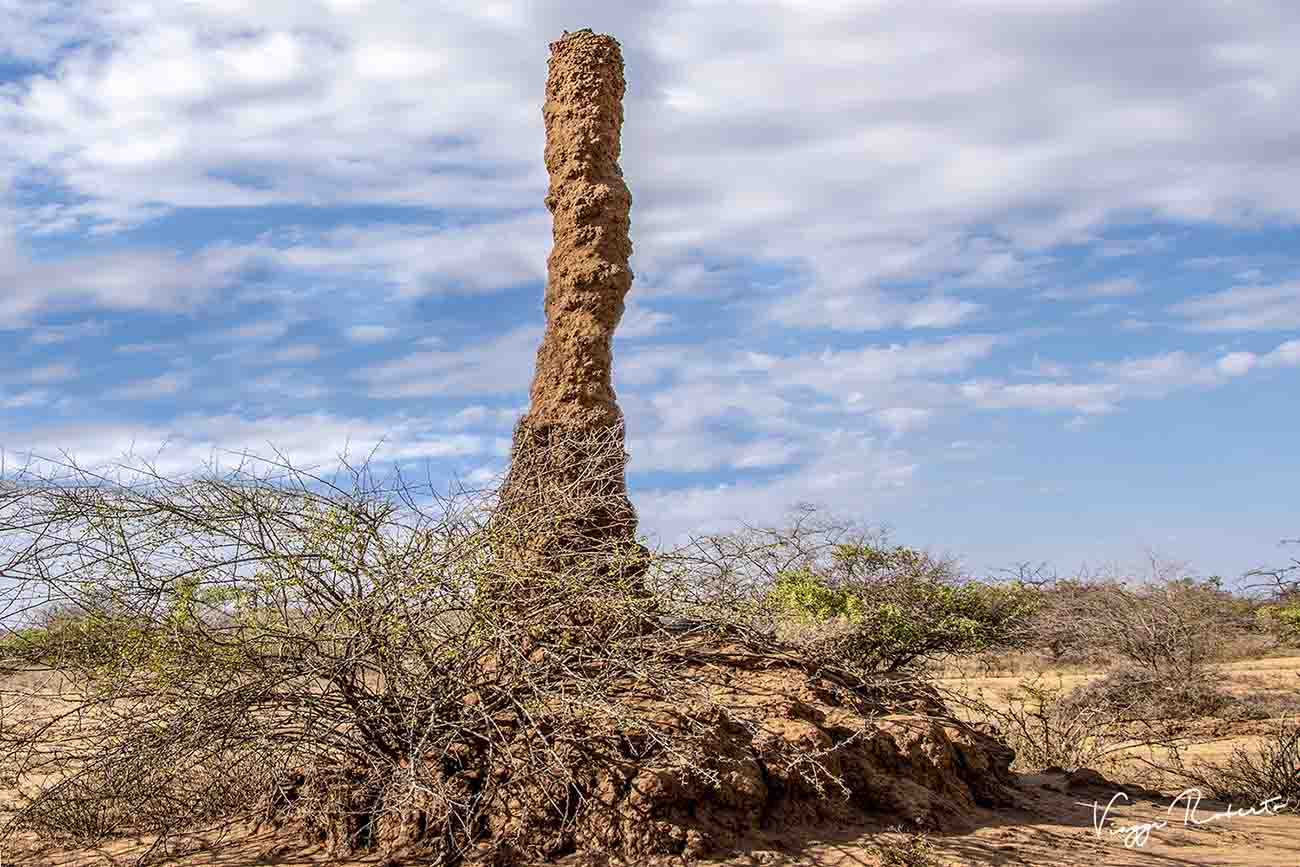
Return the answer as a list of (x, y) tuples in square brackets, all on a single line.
[(566, 495), (574, 723), (587, 273)]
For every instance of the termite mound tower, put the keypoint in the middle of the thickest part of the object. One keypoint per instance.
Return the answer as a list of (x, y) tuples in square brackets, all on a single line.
[(565, 495)]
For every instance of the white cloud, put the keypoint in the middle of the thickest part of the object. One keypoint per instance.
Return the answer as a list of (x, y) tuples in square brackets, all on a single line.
[(1042, 368), (129, 280), (1117, 248), (1132, 323), (902, 419), (191, 441), (286, 385), (1240, 363), (1286, 355), (254, 331), (49, 373), (865, 311), (499, 365), (847, 474), (1060, 123), (1118, 287), (1245, 308), (52, 334), (640, 321), (25, 399), (1177, 368), (153, 348), (369, 333), (418, 260), (1087, 398), (156, 388), (1143, 378), (1237, 363), (844, 372), (701, 409), (34, 30), (298, 353)]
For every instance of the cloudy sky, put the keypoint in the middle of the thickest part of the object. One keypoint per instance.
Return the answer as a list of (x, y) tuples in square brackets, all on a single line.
[(1019, 279)]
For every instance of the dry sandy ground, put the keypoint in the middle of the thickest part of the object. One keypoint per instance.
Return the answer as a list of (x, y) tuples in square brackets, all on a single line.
[(1274, 676), (1055, 825), (1277, 673)]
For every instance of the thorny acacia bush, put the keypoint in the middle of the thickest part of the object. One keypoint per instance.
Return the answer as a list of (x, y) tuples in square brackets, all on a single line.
[(1267, 770), (1049, 726), (1160, 638), (896, 608), (1280, 616), (1132, 693), (226, 646), (1168, 624)]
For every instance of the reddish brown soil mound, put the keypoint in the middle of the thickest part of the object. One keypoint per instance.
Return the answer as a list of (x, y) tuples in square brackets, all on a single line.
[(761, 745)]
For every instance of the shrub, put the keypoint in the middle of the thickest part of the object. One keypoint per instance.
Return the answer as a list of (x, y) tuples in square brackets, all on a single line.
[(1048, 726), (900, 608), (1282, 620), (1170, 627), (1047, 732), (908, 624), (1134, 694), (1269, 769), (288, 650), (807, 598)]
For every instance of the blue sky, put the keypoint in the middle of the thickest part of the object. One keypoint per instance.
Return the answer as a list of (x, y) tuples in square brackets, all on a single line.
[(1018, 279)]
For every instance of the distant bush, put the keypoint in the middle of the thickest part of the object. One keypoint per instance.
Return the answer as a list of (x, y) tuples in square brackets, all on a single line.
[(1267, 770), (900, 607), (1135, 694), (1046, 731), (1169, 627), (1282, 620), (1048, 725)]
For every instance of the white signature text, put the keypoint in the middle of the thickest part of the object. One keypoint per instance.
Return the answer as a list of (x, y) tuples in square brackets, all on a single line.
[(1186, 804)]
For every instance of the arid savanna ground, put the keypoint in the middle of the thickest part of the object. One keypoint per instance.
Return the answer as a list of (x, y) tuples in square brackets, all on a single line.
[(1057, 823)]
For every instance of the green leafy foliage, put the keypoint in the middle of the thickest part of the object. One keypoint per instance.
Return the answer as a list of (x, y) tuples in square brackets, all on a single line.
[(808, 598), (902, 607), (1282, 620)]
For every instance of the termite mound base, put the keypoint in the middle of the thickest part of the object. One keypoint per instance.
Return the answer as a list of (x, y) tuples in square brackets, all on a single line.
[(739, 746)]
